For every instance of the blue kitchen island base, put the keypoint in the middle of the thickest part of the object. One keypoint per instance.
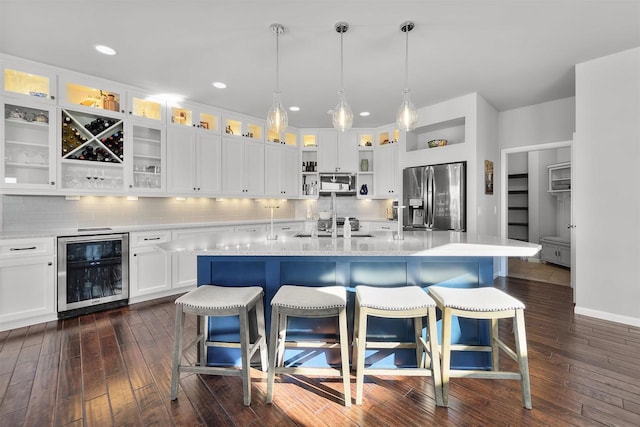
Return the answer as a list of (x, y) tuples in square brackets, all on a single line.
[(271, 272)]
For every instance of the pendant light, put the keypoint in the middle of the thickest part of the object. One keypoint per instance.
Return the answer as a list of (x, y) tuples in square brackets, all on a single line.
[(407, 116), (277, 117), (342, 115)]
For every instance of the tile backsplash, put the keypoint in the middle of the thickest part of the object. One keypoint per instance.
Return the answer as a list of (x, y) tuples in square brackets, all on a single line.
[(43, 213)]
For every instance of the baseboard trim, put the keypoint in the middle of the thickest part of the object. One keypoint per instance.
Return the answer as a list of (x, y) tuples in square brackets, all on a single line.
[(603, 315)]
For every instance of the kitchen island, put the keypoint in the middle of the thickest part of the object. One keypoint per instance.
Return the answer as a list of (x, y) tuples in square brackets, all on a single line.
[(421, 258)]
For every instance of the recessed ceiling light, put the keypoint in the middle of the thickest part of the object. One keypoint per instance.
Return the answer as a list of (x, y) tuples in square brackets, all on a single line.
[(219, 85), (106, 50), (294, 108), (364, 114)]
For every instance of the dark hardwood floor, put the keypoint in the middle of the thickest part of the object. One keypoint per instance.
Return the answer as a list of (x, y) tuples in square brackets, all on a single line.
[(114, 368)]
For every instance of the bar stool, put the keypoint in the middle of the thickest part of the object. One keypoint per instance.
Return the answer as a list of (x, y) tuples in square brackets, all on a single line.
[(408, 302), (483, 303), (215, 301), (310, 302)]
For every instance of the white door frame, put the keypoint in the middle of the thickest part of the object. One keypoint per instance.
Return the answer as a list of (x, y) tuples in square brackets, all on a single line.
[(504, 187)]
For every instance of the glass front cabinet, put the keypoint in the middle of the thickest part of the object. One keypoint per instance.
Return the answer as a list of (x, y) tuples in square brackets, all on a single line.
[(145, 160), (28, 149), (32, 81)]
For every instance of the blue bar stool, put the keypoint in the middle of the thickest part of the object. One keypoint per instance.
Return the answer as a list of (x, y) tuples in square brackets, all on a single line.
[(212, 301)]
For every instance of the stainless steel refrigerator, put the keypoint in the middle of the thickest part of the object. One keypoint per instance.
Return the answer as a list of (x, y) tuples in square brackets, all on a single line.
[(435, 197)]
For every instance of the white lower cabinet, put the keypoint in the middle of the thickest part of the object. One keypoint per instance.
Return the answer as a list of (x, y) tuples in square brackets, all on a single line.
[(556, 250), (27, 282), (149, 267)]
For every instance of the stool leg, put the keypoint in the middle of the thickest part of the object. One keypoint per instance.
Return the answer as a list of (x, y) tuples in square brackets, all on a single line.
[(495, 348), (436, 373), (344, 355), (203, 336), (245, 344), (274, 336), (177, 351), (446, 353), (282, 339), (264, 363), (417, 328), (354, 350), (523, 358), (362, 348)]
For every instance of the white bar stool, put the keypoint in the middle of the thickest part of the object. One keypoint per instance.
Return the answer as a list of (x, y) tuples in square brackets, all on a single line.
[(215, 301), (407, 302), (303, 301), (483, 303)]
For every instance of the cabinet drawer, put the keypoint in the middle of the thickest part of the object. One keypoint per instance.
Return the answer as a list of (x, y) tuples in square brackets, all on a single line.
[(13, 248), (149, 238)]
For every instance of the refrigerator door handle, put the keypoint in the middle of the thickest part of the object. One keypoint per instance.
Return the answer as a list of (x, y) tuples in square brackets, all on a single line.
[(429, 198)]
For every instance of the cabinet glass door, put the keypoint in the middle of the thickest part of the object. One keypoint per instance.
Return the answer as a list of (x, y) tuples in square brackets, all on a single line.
[(147, 146), (100, 98), (28, 146), (146, 108), (38, 85)]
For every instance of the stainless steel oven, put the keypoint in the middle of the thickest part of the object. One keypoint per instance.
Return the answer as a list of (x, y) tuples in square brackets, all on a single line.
[(93, 273)]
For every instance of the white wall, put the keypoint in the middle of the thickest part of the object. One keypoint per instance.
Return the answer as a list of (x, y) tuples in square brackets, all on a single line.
[(606, 187), (488, 221), (537, 124)]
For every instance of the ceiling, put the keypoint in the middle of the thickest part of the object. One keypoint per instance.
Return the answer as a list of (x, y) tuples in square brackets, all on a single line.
[(514, 53)]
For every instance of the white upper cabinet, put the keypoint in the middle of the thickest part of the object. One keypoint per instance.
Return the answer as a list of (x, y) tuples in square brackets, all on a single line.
[(25, 79), (145, 108), (281, 171), (28, 149), (193, 160), (87, 94), (337, 151), (385, 165), (145, 162), (242, 167)]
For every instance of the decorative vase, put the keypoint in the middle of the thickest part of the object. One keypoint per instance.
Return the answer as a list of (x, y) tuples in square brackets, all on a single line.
[(364, 190), (364, 165)]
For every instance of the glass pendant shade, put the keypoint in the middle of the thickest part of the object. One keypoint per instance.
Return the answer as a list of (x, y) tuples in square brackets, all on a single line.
[(342, 115), (277, 120), (407, 117)]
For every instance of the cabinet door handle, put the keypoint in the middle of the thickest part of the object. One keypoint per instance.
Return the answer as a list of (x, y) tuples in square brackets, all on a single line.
[(53, 97), (152, 238), (385, 228), (286, 228), (135, 254), (49, 264), (31, 248), (53, 183)]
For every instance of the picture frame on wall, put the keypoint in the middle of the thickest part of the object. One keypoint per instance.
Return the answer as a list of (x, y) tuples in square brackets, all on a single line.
[(488, 177)]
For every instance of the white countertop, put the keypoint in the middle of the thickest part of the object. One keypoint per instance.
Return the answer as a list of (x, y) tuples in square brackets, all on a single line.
[(415, 243)]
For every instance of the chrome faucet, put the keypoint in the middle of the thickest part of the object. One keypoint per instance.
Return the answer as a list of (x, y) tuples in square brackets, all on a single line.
[(334, 214)]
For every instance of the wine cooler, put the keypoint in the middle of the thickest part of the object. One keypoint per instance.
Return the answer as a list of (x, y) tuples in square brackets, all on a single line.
[(93, 273)]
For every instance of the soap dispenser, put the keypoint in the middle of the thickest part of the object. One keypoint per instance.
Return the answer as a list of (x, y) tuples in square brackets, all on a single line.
[(347, 228)]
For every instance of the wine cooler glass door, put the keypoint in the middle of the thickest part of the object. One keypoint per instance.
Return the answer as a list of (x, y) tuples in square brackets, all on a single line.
[(93, 270)]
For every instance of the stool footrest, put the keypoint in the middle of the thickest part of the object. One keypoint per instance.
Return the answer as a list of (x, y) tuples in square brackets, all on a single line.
[(376, 345), (333, 372), (512, 354), (216, 370), (311, 344), (468, 347), (471, 373), (408, 372)]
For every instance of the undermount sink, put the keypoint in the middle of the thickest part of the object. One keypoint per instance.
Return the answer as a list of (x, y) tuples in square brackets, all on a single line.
[(353, 235)]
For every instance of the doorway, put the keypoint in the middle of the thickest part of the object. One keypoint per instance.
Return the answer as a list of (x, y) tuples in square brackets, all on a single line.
[(530, 212)]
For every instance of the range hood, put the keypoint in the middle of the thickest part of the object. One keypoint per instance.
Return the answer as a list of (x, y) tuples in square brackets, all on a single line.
[(343, 184)]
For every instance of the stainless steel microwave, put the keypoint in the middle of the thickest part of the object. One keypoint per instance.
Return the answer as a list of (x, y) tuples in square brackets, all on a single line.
[(343, 184)]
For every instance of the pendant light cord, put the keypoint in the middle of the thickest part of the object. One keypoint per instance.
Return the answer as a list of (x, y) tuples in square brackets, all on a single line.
[(406, 60), (278, 61), (341, 61)]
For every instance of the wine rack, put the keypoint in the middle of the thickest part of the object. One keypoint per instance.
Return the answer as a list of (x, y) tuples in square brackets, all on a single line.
[(92, 151)]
